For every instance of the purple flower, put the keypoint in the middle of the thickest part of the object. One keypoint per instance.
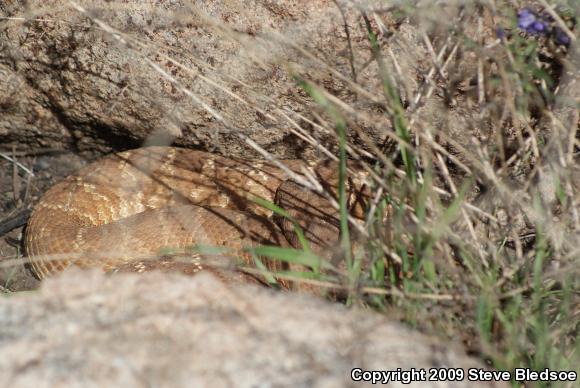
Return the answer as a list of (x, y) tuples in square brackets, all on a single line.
[(526, 18), (535, 24), (532, 23), (561, 37), (538, 27)]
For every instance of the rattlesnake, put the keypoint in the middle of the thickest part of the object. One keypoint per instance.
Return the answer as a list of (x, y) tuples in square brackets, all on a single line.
[(135, 203)]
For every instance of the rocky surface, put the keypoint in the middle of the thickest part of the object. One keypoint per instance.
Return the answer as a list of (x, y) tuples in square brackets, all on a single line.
[(87, 330), (114, 75), (91, 75)]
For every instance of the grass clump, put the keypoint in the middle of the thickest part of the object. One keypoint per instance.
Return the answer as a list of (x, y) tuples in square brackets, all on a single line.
[(475, 248)]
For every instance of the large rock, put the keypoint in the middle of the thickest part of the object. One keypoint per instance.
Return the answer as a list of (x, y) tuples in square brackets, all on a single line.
[(90, 85), (85, 329), (108, 75)]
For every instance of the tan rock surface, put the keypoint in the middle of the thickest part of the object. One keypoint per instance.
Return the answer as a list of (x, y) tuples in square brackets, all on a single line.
[(88, 330), (115, 91), (109, 76)]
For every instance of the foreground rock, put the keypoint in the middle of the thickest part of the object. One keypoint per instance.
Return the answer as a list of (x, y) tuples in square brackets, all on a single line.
[(85, 329)]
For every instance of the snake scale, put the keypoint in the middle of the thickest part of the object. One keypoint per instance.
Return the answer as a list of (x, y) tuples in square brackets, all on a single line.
[(133, 204)]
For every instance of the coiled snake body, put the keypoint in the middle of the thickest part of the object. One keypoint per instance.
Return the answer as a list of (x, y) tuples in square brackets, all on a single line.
[(135, 203)]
